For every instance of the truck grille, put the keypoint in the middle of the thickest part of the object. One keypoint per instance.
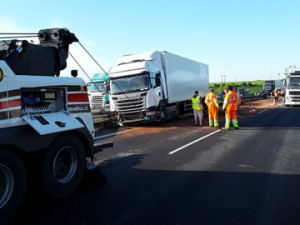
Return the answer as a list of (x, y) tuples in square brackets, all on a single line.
[(134, 104), (295, 98), (97, 100), (294, 93)]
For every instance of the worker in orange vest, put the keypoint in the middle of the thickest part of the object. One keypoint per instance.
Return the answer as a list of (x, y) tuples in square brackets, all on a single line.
[(275, 96), (230, 104), (239, 100), (213, 106)]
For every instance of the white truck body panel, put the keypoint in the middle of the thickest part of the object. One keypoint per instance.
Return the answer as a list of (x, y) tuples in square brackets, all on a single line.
[(128, 69), (184, 77), (17, 82), (69, 122)]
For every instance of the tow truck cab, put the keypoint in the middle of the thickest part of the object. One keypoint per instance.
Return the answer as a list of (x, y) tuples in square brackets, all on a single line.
[(42, 112)]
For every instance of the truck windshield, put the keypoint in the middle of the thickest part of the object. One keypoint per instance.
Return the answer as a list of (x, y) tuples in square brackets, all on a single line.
[(293, 83), (129, 84), (267, 87), (96, 87)]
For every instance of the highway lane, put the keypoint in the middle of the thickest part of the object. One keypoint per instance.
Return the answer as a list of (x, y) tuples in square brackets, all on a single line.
[(246, 176)]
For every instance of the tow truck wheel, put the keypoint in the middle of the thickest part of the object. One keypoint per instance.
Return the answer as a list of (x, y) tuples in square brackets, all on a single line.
[(64, 165), (12, 184)]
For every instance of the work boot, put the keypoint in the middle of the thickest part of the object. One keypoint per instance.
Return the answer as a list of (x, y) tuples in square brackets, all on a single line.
[(236, 128)]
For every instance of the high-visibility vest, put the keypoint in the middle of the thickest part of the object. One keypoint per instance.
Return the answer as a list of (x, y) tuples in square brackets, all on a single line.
[(231, 101), (195, 103), (211, 100), (275, 93)]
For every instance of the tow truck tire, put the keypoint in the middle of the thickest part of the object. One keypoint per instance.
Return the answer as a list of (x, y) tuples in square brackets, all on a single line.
[(63, 166), (13, 182)]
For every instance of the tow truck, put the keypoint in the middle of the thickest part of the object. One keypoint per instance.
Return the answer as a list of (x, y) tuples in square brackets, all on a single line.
[(45, 113)]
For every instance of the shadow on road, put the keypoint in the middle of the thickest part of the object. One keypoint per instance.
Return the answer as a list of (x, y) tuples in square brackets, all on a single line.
[(135, 195)]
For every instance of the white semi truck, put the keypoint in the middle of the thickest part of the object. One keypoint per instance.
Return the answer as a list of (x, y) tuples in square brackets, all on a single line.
[(42, 114), (99, 99), (155, 86), (292, 87)]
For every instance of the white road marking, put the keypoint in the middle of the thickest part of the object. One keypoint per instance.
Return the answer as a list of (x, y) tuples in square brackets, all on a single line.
[(113, 134), (193, 142), (263, 110)]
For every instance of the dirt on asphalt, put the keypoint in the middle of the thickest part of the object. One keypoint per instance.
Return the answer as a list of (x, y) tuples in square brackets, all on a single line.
[(186, 121)]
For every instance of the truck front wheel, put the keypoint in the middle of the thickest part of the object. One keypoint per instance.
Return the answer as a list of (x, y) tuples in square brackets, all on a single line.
[(64, 165), (13, 183), (163, 114)]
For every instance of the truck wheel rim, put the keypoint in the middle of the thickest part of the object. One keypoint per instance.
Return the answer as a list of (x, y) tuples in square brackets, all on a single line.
[(65, 164), (6, 185)]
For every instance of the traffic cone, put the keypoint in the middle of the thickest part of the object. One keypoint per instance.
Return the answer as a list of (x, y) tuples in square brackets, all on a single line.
[(252, 110)]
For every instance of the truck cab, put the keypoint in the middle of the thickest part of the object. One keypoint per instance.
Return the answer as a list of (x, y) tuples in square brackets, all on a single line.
[(292, 87), (136, 87), (269, 86), (99, 98)]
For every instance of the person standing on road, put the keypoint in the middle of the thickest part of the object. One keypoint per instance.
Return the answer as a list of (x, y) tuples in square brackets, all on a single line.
[(197, 108), (230, 105), (239, 100), (275, 96), (213, 107)]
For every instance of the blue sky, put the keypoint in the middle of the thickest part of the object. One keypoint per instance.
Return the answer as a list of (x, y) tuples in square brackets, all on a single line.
[(242, 39)]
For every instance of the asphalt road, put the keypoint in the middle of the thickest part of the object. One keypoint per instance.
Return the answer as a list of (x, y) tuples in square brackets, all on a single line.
[(177, 174)]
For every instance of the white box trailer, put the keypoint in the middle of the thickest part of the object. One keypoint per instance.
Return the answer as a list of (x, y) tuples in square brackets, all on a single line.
[(183, 77), (155, 86)]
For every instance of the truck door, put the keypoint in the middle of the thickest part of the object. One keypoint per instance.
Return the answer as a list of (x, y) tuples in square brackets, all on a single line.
[(156, 84)]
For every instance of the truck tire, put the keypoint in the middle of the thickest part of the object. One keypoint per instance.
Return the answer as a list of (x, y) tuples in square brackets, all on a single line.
[(13, 182), (177, 112), (64, 165), (163, 114)]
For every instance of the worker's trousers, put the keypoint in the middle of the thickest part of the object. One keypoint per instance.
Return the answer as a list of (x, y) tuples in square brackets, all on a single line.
[(231, 116), (213, 116), (198, 115)]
